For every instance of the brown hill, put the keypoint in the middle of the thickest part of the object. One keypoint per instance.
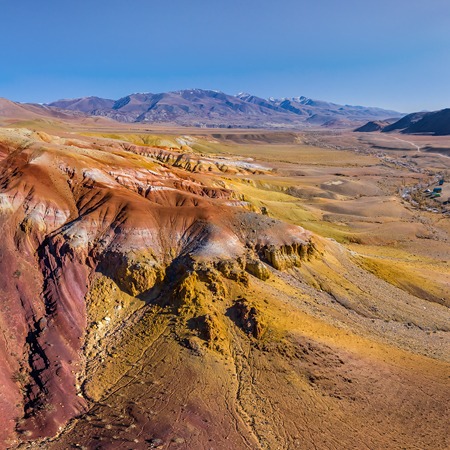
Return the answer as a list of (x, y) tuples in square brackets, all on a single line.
[(405, 122), (377, 125), (434, 123), (11, 110), (43, 117)]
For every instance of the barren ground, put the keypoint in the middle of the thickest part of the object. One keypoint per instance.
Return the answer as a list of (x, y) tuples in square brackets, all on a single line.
[(348, 349)]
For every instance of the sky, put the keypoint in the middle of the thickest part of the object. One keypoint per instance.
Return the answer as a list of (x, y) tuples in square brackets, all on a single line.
[(389, 53)]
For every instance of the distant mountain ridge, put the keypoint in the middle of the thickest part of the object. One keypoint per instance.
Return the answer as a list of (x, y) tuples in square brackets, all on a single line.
[(208, 108), (436, 123)]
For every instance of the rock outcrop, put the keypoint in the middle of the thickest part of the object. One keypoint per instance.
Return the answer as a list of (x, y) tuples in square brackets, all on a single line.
[(248, 318)]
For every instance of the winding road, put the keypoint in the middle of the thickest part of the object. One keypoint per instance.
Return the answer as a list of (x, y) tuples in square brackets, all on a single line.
[(418, 147)]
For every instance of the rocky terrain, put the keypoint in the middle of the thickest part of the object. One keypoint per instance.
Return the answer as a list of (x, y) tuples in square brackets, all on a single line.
[(235, 290), (198, 107)]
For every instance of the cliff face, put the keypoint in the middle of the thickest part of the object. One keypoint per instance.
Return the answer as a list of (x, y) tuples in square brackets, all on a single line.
[(74, 217)]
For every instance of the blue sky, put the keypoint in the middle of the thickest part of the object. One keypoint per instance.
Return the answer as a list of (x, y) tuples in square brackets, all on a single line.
[(392, 54)]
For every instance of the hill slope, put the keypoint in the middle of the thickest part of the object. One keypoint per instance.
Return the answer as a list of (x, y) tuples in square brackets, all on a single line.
[(12, 112), (436, 123), (376, 125)]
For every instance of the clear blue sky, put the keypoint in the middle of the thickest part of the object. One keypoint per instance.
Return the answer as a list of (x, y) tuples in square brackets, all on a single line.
[(389, 53)]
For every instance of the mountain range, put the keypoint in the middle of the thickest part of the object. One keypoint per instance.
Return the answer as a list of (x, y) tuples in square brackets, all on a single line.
[(214, 109), (208, 108)]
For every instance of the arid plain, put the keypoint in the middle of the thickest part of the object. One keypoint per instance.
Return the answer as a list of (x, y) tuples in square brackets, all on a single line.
[(222, 289)]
